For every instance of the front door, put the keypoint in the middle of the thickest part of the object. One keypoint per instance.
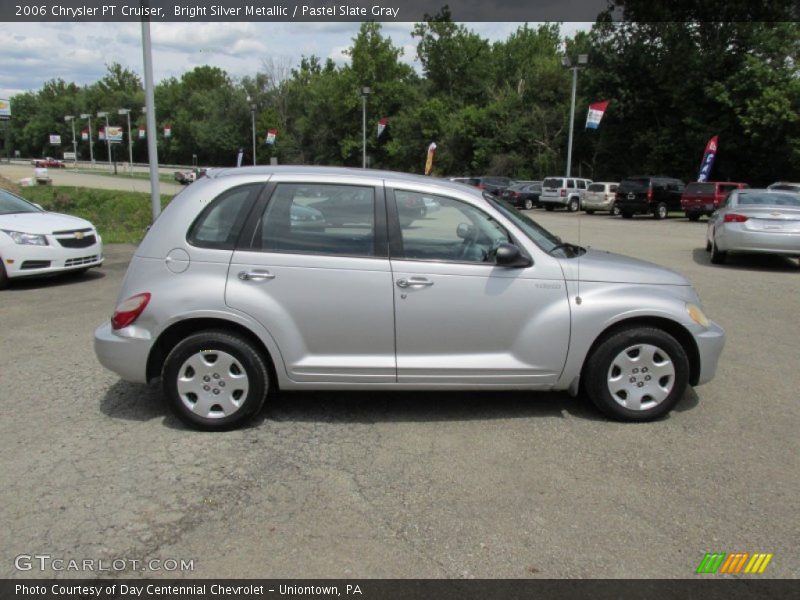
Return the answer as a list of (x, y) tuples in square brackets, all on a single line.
[(461, 318), (316, 275)]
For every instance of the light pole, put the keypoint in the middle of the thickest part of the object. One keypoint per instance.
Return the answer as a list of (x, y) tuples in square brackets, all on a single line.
[(583, 59), (365, 91), (252, 104), (101, 114), (127, 113), (71, 119), (91, 141)]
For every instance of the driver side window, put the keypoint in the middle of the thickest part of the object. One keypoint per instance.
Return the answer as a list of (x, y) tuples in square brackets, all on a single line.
[(443, 229)]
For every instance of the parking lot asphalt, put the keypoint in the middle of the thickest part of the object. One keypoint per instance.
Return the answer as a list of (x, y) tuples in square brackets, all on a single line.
[(407, 484)]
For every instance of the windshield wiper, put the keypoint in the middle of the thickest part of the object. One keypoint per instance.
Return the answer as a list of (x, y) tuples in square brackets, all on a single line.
[(574, 249)]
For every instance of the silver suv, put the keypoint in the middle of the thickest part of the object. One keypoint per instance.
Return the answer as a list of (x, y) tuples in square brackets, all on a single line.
[(564, 192), (300, 278)]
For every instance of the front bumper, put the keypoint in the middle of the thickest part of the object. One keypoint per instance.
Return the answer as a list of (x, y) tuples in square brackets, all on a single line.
[(31, 261), (709, 346), (122, 352)]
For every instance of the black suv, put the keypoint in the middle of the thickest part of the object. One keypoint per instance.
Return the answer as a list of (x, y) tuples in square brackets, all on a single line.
[(491, 184), (649, 195)]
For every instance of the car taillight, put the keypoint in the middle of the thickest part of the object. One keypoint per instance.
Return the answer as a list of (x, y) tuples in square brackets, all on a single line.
[(481, 186), (515, 194), (563, 193), (734, 218), (649, 195), (129, 310)]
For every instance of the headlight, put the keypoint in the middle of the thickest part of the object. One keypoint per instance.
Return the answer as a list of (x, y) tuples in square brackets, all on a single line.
[(31, 239), (696, 314)]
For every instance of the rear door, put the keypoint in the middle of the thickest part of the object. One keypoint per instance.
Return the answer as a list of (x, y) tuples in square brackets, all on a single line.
[(314, 271), (459, 317)]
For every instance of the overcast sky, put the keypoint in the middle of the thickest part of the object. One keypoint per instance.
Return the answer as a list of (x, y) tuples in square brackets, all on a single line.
[(78, 52)]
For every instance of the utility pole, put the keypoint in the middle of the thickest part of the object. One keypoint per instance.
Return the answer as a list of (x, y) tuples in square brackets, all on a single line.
[(150, 110), (91, 140)]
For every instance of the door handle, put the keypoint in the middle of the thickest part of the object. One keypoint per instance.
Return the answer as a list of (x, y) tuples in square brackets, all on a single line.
[(414, 282), (255, 275)]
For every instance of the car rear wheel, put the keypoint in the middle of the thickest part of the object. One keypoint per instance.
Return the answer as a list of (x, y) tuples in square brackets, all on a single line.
[(637, 374), (661, 211), (528, 204), (614, 210), (549, 207), (3, 276), (573, 205), (589, 211), (627, 215), (717, 256), (693, 216), (215, 380)]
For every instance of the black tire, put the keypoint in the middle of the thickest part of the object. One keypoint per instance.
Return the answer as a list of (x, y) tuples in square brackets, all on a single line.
[(549, 207), (3, 276), (708, 246), (528, 204), (694, 216), (245, 353), (599, 364), (574, 205), (660, 211), (627, 215), (717, 256), (589, 211)]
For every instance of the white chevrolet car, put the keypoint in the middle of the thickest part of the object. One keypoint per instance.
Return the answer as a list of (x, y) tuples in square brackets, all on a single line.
[(35, 242)]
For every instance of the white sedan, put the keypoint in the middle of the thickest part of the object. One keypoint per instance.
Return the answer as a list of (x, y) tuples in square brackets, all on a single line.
[(36, 242), (755, 221)]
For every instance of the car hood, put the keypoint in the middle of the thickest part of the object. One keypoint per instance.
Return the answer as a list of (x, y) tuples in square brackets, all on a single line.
[(42, 222), (599, 265)]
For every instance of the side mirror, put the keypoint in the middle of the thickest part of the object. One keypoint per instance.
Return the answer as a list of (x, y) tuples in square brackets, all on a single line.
[(465, 230), (509, 255), (37, 205)]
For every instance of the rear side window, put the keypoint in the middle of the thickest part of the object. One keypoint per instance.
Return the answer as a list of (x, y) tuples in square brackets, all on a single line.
[(553, 182), (220, 223), (581, 184), (332, 220), (570, 183)]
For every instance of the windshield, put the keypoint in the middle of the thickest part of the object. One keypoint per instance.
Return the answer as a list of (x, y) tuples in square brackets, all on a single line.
[(553, 182), (538, 234), (789, 187), (769, 199), (10, 203), (639, 184)]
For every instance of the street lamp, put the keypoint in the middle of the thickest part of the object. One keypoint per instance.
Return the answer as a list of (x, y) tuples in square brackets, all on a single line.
[(583, 59), (365, 91), (127, 112), (252, 104), (100, 115), (91, 141), (71, 119)]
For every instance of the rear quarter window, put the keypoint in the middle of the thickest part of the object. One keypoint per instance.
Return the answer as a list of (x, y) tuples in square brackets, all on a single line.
[(219, 224)]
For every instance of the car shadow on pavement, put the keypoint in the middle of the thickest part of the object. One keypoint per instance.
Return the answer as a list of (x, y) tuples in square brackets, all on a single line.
[(20, 285), (140, 402), (748, 262)]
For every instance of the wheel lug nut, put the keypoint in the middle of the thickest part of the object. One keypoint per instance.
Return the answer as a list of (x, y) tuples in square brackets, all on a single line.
[(216, 375), (647, 377), (640, 384), (632, 380), (206, 388), (221, 384), (206, 378), (644, 369), (216, 391), (636, 370)]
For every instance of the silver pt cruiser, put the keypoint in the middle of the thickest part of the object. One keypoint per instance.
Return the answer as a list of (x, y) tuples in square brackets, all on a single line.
[(259, 279)]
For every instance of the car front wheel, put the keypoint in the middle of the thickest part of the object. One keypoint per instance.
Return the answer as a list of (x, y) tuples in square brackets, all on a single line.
[(3, 277), (717, 256), (215, 380), (661, 211), (573, 205), (637, 374), (528, 204)]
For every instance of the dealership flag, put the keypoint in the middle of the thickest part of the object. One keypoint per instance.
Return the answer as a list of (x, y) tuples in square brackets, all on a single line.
[(271, 135), (239, 157), (708, 159), (429, 162), (142, 134), (382, 125), (596, 111), (167, 131), (85, 135)]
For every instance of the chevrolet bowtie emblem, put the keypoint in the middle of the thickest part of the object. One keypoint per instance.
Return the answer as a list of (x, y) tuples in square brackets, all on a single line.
[(78, 235)]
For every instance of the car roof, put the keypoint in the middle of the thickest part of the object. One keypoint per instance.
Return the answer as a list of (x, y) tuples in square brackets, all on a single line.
[(312, 171)]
